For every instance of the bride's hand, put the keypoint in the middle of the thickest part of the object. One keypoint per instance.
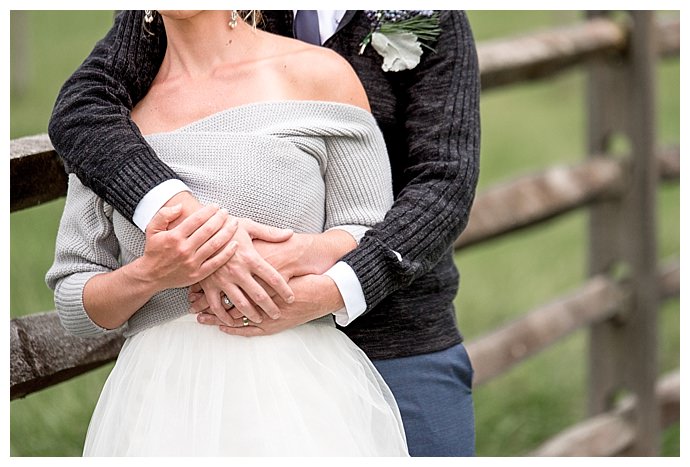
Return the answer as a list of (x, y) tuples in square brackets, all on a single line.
[(243, 277), (315, 296), (189, 252)]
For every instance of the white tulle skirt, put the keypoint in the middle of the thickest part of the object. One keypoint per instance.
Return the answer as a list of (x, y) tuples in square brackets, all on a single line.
[(182, 388)]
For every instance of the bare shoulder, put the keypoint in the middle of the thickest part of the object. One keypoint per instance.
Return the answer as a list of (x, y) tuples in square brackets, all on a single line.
[(336, 80), (319, 73)]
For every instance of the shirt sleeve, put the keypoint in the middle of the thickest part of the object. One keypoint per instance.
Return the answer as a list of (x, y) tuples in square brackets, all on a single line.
[(351, 291), (440, 104), (90, 126), (86, 246), (151, 203)]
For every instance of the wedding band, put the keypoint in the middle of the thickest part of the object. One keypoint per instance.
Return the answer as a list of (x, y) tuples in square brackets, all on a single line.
[(245, 321), (227, 302)]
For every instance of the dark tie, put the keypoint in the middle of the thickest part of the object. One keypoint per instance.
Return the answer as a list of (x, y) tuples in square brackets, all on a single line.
[(307, 26)]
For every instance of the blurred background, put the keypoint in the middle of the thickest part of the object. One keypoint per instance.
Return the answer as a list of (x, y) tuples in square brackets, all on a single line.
[(524, 128)]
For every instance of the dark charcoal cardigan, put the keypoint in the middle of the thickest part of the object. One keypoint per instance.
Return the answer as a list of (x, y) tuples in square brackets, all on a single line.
[(430, 120)]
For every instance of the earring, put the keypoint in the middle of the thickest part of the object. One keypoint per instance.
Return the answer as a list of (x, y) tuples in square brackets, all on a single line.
[(148, 16), (233, 19), (251, 13)]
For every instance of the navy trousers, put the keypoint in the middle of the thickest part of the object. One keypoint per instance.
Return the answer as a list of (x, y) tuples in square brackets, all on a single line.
[(434, 393)]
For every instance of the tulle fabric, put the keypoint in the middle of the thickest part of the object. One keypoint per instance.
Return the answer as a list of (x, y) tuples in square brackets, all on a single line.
[(185, 389)]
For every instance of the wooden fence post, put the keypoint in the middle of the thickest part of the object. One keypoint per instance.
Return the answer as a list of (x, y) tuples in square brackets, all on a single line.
[(623, 350)]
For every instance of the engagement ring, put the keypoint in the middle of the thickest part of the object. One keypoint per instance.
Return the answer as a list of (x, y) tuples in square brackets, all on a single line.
[(227, 302), (245, 321)]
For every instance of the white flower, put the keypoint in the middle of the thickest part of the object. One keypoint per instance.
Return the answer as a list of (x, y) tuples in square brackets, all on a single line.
[(400, 51), (399, 36)]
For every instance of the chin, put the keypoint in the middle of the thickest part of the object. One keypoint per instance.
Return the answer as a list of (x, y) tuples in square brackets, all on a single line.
[(179, 14)]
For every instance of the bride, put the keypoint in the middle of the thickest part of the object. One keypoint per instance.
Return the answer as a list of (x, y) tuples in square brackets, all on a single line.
[(273, 130)]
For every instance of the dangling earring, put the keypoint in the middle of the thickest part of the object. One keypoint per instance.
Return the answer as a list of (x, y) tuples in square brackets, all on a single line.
[(148, 19), (233, 19)]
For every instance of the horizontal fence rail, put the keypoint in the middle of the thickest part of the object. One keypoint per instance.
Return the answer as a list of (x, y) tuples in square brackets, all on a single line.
[(543, 54), (42, 353), (37, 174), (598, 299), (612, 434), (532, 199)]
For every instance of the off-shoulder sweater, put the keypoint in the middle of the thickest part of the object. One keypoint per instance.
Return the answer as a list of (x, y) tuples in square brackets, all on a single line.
[(304, 165)]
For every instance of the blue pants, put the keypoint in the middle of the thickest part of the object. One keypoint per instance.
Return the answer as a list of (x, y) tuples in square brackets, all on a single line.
[(434, 393)]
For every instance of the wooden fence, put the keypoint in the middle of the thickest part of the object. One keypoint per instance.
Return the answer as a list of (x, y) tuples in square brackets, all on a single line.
[(619, 302)]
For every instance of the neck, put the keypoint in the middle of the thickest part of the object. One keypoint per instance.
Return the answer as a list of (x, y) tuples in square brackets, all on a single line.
[(199, 44)]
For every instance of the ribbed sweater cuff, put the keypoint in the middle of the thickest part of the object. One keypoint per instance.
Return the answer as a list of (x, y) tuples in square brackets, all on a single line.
[(70, 305), (378, 269), (140, 174)]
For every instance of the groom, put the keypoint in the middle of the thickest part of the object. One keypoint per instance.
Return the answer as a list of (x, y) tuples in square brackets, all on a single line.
[(398, 285)]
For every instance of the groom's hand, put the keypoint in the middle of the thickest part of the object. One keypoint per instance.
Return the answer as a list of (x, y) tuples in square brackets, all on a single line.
[(315, 296), (306, 253), (243, 277)]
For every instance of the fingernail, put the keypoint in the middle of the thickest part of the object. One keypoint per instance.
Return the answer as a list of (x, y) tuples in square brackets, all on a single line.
[(291, 299), (192, 310), (277, 315)]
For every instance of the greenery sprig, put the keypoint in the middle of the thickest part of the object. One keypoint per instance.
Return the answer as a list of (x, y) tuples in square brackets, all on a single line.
[(422, 25)]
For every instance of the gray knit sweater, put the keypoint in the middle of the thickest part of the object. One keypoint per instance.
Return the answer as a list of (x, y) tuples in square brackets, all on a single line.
[(304, 165)]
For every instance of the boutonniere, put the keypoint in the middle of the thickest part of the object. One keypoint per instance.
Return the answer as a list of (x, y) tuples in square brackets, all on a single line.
[(399, 36)]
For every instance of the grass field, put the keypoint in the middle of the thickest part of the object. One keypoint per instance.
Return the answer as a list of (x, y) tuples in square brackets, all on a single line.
[(524, 128)]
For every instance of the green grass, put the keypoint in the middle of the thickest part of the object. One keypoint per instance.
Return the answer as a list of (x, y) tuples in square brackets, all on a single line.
[(524, 128)]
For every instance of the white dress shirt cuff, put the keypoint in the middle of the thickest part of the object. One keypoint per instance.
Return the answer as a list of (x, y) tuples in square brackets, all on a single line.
[(351, 290), (151, 203)]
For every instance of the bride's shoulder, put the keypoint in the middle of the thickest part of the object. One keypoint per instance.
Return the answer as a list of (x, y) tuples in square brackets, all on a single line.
[(322, 74)]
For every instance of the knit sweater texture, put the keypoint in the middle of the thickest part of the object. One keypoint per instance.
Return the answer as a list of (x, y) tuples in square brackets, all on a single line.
[(303, 165), (429, 117)]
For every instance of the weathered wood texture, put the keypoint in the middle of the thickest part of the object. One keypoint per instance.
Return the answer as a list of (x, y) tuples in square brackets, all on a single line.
[(669, 280), (668, 38), (543, 54), (623, 356), (501, 349), (595, 301), (613, 433), (533, 199), (668, 162), (37, 174), (43, 354)]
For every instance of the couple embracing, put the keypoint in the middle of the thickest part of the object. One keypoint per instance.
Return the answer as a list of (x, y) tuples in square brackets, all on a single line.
[(270, 223)]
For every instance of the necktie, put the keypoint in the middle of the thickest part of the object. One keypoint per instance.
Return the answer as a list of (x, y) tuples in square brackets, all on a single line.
[(306, 26)]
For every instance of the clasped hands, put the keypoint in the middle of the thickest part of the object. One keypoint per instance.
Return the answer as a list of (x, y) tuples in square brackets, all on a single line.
[(272, 276)]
